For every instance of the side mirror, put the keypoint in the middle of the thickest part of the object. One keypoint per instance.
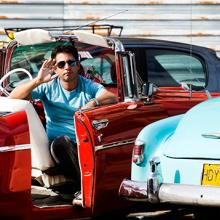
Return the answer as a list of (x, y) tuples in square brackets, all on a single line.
[(148, 89)]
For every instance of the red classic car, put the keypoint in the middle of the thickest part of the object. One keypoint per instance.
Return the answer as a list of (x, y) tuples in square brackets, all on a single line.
[(182, 76)]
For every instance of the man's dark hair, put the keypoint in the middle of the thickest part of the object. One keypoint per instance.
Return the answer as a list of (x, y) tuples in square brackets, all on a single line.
[(65, 49)]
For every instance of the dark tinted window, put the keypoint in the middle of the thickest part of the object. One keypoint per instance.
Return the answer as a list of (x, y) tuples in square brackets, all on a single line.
[(172, 68)]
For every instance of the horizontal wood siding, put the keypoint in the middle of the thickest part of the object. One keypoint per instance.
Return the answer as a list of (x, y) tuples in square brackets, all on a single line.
[(189, 21)]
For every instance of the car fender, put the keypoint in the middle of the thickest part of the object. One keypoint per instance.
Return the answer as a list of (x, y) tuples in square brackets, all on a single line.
[(153, 136)]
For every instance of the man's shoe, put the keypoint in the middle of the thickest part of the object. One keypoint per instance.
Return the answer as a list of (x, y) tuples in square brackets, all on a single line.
[(77, 201)]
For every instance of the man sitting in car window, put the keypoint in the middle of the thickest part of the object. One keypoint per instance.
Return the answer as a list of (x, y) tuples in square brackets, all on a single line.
[(63, 92)]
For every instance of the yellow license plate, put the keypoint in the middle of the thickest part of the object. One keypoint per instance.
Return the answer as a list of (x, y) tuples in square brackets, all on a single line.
[(211, 175)]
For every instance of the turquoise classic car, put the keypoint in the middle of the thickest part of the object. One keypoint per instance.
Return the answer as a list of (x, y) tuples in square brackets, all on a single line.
[(177, 160)]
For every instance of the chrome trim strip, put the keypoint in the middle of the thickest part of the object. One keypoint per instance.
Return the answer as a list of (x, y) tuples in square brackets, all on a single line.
[(15, 148), (114, 144)]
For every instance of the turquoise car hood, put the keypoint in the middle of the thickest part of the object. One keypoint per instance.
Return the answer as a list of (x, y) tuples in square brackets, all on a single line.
[(194, 137)]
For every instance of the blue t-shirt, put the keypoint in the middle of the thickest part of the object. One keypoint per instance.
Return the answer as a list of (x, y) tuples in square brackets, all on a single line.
[(60, 105)]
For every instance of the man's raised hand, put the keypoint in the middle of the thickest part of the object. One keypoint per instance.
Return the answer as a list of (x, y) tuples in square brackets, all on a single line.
[(46, 72)]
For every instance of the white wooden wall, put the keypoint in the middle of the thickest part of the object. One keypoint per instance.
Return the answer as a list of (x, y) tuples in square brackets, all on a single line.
[(190, 21)]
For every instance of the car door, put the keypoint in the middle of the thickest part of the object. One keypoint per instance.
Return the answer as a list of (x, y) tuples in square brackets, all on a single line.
[(15, 161)]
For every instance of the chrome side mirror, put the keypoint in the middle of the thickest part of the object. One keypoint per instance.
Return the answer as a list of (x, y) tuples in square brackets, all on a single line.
[(148, 89)]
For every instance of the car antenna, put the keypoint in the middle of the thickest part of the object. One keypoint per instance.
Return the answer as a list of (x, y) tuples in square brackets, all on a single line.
[(77, 28), (102, 19)]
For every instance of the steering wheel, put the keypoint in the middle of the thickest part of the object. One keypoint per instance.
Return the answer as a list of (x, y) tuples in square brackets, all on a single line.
[(2, 89)]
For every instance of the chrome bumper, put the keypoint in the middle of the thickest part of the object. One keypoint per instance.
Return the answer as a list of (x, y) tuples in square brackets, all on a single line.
[(133, 190), (172, 193), (190, 194)]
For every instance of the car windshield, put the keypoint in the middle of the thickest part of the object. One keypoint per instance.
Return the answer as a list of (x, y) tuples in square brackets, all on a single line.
[(96, 62)]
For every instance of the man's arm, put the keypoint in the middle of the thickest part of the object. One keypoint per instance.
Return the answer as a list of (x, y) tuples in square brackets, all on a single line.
[(23, 91), (105, 98)]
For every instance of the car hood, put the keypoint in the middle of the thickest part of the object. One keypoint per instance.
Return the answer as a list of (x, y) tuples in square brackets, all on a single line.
[(198, 133)]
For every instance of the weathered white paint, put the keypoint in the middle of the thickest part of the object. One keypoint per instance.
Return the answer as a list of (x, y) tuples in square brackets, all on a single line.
[(190, 21)]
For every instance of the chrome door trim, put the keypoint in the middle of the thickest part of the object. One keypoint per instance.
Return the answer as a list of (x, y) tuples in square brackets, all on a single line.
[(15, 148), (114, 144)]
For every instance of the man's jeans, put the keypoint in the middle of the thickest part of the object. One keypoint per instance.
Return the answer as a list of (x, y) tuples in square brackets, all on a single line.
[(64, 153)]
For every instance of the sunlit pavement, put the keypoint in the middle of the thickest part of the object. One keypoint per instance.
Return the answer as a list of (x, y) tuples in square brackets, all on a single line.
[(180, 214), (162, 215), (201, 213)]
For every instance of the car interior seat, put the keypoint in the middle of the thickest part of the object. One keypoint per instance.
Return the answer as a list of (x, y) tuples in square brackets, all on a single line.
[(41, 158)]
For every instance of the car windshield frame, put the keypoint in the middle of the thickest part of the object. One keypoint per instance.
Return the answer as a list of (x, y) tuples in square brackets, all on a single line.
[(97, 63)]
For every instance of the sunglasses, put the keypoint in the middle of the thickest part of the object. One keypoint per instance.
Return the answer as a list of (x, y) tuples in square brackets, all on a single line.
[(62, 64)]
